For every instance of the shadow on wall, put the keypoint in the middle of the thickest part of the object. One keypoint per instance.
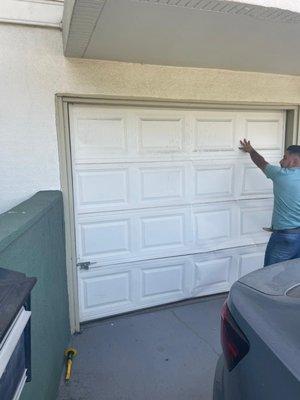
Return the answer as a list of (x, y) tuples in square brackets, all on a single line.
[(32, 241)]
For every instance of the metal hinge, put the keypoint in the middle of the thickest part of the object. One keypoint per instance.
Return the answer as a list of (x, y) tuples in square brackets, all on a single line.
[(85, 265)]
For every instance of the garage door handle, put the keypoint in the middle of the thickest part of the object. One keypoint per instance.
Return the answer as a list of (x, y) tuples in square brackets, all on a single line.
[(85, 265)]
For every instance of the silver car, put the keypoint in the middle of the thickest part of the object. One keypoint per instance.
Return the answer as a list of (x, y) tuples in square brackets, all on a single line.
[(260, 336)]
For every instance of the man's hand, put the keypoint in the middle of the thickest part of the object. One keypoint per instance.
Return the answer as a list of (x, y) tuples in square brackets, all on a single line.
[(258, 160), (246, 146)]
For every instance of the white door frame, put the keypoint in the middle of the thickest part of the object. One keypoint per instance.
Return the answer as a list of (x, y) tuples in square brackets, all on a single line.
[(62, 102)]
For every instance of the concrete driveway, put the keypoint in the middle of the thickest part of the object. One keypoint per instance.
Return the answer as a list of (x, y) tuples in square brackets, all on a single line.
[(161, 354)]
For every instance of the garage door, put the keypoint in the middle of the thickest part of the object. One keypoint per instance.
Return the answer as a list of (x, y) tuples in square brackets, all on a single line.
[(166, 206)]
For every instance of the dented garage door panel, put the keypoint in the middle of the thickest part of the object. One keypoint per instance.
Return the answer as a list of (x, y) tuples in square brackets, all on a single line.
[(166, 205)]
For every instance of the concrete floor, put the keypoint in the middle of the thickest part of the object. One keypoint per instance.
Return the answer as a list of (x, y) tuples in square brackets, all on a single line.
[(161, 354)]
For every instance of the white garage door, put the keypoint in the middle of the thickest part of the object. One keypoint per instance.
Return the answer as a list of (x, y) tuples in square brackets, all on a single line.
[(166, 206)]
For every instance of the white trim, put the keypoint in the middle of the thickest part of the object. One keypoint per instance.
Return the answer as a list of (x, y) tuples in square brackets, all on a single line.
[(169, 103), (10, 341), (62, 119), (291, 5), (50, 2), (21, 386), (29, 23), (33, 13)]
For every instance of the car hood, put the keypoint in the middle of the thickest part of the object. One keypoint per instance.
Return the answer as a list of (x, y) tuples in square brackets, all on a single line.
[(276, 279)]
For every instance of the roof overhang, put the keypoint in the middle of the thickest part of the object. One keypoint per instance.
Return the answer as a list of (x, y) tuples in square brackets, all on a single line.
[(248, 35)]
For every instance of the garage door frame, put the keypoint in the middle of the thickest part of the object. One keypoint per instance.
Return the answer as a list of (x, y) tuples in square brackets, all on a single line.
[(62, 102)]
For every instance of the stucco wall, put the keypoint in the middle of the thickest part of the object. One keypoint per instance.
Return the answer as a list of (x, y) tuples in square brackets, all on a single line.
[(33, 69)]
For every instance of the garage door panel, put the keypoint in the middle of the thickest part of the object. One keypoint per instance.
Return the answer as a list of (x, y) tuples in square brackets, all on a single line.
[(142, 134), (253, 217), (164, 232), (159, 281), (100, 136), (107, 289), (264, 131), (254, 182), (166, 205), (263, 134), (214, 131), (144, 185), (213, 224), (212, 275), (105, 239), (101, 188), (133, 234), (250, 262), (165, 280), (160, 182), (213, 181), (161, 135), (104, 291)]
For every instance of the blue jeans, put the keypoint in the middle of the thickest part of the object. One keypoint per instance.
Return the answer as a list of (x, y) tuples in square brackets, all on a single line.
[(282, 247)]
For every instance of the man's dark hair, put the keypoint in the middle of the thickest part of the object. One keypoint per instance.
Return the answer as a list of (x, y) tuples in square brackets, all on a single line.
[(294, 149)]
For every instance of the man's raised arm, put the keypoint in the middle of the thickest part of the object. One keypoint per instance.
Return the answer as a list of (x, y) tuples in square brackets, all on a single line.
[(258, 160)]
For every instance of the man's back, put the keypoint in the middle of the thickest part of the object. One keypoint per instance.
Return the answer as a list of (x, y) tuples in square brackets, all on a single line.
[(284, 243), (286, 187)]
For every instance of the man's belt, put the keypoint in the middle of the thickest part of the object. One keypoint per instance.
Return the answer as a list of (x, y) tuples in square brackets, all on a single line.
[(292, 230)]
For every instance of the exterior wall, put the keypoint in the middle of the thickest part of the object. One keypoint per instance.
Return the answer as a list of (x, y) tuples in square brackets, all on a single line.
[(32, 242), (33, 69)]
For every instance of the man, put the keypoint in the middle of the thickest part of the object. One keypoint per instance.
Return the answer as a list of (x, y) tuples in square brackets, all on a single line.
[(284, 243)]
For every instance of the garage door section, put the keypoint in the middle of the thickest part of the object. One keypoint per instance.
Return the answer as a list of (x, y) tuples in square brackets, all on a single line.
[(166, 206)]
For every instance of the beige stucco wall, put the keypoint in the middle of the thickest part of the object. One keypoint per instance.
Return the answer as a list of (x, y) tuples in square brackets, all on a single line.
[(33, 69)]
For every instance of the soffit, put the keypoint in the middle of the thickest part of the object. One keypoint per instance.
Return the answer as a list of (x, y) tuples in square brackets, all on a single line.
[(191, 33)]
